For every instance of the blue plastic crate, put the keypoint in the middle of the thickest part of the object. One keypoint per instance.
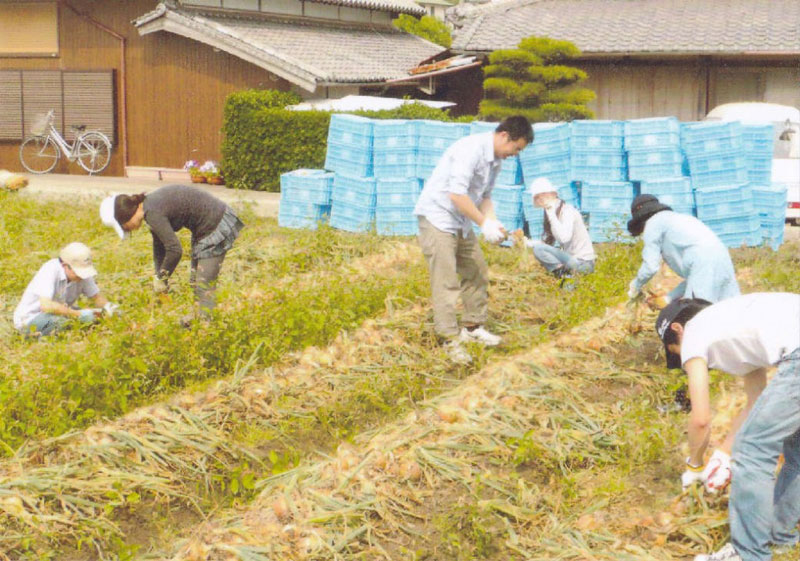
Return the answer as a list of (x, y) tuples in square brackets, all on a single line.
[(508, 208), (597, 158), (394, 133), (717, 162), (681, 200), (508, 193), (550, 132), (774, 194), (293, 214), (654, 171), (725, 210), (635, 127), (555, 147), (739, 239), (408, 227), (599, 173), (774, 212), (531, 213), (307, 185), (597, 128), (535, 230), (759, 176), (350, 130), (759, 139), (711, 179), (398, 192), (675, 184), (349, 160), (733, 225), (690, 210), (351, 217), (655, 156), (534, 166), (440, 135), (354, 190), (396, 163), (760, 163), (476, 127), (511, 222), (711, 130), (652, 140), (723, 194)]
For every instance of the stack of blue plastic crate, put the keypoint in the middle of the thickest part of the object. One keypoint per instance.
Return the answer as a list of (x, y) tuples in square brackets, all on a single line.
[(675, 192), (305, 198), (353, 203), (654, 148), (608, 204), (715, 151), (394, 209), (548, 154), (597, 151), (770, 203), (510, 172), (759, 145), (433, 138), (507, 201), (349, 149), (395, 148)]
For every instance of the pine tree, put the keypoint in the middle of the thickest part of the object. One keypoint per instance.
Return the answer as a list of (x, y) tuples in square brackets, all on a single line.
[(426, 27), (532, 80)]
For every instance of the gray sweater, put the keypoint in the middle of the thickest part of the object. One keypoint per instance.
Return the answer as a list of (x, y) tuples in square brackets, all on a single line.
[(169, 209)]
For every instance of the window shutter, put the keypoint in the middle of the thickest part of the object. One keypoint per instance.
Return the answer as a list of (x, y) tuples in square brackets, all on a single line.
[(10, 105), (41, 92), (89, 100), (29, 28)]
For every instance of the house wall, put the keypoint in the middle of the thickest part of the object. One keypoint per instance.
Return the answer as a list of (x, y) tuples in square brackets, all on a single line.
[(176, 88)]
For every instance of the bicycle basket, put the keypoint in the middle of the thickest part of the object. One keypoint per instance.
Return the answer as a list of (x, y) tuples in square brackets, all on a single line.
[(40, 124)]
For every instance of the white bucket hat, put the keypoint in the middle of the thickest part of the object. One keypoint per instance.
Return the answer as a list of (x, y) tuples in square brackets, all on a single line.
[(79, 258), (541, 185), (107, 216)]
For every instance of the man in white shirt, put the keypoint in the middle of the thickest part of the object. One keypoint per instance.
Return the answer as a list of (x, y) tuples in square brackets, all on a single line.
[(744, 336), (457, 194), (563, 225), (49, 300)]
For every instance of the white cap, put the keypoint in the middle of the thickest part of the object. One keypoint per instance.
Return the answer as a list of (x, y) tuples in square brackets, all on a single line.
[(107, 216), (541, 185), (79, 258)]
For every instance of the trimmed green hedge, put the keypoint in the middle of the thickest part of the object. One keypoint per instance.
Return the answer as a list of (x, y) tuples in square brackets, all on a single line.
[(264, 140)]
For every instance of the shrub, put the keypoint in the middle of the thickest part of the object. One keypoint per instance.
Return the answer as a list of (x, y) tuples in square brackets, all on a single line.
[(427, 27), (264, 140)]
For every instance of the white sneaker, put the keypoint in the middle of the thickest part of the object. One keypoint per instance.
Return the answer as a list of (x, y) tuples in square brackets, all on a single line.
[(479, 335), (727, 553), (457, 353)]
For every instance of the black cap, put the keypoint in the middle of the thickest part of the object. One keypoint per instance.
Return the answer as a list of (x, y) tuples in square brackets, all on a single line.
[(665, 318), (642, 208)]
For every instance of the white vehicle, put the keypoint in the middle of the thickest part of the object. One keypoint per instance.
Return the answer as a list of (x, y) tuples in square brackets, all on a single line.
[(786, 157)]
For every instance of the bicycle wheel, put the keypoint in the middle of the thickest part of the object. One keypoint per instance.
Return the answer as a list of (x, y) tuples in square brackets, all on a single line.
[(39, 154), (93, 151)]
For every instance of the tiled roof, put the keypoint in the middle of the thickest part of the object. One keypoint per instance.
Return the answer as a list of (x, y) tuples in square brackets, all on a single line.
[(637, 27), (402, 6), (307, 54)]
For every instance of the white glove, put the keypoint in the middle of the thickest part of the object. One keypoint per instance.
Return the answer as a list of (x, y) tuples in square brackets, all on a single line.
[(717, 473), (492, 230), (533, 243), (633, 290), (552, 205), (160, 286), (110, 308), (691, 475)]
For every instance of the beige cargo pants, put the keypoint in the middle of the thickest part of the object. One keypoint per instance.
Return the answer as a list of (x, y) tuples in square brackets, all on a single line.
[(457, 267)]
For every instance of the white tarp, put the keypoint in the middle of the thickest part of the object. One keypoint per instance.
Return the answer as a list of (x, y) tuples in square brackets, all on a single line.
[(363, 103)]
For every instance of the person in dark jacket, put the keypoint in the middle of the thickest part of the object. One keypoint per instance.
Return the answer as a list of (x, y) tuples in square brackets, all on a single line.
[(213, 224)]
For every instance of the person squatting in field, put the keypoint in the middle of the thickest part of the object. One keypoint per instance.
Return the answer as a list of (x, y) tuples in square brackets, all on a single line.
[(688, 246), (563, 225), (213, 224), (744, 336), (457, 194), (48, 302)]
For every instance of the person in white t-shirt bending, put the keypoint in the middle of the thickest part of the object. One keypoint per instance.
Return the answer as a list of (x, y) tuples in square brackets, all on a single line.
[(563, 225), (49, 300), (744, 336), (457, 194)]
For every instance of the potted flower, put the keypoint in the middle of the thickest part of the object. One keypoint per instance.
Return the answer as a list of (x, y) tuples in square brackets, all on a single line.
[(210, 170), (193, 167)]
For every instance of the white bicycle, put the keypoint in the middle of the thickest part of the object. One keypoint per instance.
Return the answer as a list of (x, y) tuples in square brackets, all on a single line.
[(40, 152)]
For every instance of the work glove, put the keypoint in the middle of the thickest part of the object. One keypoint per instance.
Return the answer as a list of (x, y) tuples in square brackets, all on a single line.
[(492, 230), (717, 473), (551, 206), (87, 315), (533, 243), (160, 285), (633, 290), (658, 301), (110, 308), (692, 474)]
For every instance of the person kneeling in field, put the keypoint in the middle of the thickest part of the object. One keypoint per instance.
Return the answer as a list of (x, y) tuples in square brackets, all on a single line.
[(49, 300), (688, 246), (744, 336), (563, 225)]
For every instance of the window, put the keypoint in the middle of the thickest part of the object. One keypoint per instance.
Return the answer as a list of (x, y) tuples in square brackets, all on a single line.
[(78, 98), (28, 28)]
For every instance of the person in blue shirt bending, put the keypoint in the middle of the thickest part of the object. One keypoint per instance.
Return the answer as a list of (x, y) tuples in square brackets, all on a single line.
[(688, 246)]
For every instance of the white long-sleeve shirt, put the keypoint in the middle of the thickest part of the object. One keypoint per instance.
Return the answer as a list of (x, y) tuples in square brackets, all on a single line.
[(570, 232)]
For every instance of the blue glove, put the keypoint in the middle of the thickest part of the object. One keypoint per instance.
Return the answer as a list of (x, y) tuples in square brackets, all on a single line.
[(87, 316)]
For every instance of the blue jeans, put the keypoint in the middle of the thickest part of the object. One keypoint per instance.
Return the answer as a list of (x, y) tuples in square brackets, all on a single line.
[(763, 510), (552, 258), (46, 324)]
